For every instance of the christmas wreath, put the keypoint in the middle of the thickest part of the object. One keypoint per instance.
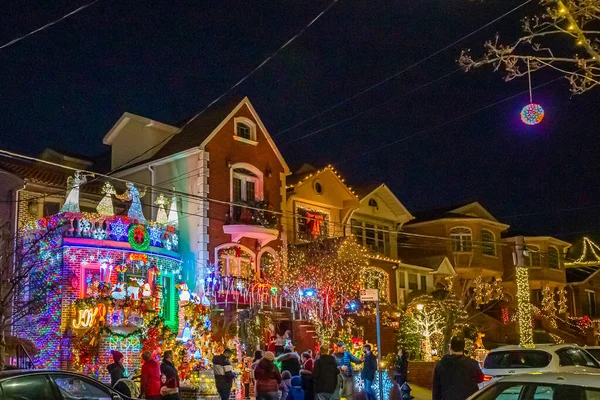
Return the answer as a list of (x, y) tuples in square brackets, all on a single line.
[(138, 237)]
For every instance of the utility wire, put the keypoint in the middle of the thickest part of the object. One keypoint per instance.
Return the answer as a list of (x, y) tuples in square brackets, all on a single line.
[(403, 70), (48, 25), (265, 61)]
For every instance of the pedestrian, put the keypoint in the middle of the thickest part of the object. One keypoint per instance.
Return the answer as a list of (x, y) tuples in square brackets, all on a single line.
[(117, 372), (307, 363), (169, 378), (401, 367), (325, 375), (290, 361), (296, 392), (223, 373), (456, 376), (267, 378), (368, 372), (344, 360), (286, 384), (150, 378)]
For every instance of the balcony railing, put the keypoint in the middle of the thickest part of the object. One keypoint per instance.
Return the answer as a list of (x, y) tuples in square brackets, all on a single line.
[(116, 228), (251, 213)]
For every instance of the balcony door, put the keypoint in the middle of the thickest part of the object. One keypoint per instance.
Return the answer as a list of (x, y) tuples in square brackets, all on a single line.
[(244, 190)]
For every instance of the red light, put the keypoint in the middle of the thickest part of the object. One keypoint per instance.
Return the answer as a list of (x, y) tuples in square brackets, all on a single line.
[(487, 378)]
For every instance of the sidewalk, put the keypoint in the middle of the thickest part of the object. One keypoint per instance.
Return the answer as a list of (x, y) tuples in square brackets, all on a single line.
[(420, 393)]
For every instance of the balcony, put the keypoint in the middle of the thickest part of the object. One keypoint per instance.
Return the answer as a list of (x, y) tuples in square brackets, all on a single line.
[(250, 219)]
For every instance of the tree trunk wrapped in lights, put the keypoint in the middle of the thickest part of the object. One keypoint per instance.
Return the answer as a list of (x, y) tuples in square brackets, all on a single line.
[(429, 321)]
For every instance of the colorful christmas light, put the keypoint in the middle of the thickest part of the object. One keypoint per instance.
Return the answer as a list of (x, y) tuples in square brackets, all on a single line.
[(532, 114)]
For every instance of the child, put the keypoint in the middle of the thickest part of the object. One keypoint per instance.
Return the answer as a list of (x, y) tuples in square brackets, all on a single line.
[(341, 380), (286, 384), (296, 392)]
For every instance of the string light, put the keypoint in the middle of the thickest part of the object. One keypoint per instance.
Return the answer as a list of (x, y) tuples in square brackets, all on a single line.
[(314, 174), (161, 215), (524, 307), (590, 246)]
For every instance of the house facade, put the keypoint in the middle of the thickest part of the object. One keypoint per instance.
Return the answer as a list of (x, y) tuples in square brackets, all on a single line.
[(225, 155)]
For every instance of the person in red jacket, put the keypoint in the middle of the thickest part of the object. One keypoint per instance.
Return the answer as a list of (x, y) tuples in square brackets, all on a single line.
[(150, 385)]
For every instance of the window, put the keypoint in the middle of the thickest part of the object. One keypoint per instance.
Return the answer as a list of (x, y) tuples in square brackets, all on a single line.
[(461, 239), (318, 187), (413, 282), (73, 387), (235, 261), (502, 391), (532, 259), (267, 264), (373, 203), (243, 131), (553, 257), (244, 189), (487, 243), (423, 282), (572, 356), (311, 223), (589, 307), (375, 237), (27, 387), (402, 280), (517, 359), (532, 391)]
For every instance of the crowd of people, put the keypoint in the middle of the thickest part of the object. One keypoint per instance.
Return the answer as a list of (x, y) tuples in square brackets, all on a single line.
[(327, 375)]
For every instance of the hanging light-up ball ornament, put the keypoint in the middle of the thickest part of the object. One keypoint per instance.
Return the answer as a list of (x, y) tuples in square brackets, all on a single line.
[(532, 114)]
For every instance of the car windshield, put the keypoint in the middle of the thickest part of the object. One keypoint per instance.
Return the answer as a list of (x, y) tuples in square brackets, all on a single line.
[(517, 359)]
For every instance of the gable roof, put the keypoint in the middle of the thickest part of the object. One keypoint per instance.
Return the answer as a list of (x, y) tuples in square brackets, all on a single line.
[(389, 198), (456, 211), (307, 171), (590, 254), (579, 275), (202, 128), (439, 264)]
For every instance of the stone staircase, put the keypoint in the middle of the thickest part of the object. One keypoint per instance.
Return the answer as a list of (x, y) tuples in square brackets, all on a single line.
[(305, 336)]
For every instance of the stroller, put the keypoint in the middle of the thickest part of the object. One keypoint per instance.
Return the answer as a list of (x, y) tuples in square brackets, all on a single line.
[(133, 386)]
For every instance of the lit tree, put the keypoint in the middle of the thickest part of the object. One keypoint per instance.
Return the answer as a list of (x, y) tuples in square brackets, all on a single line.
[(564, 36), (408, 337), (29, 261), (429, 321)]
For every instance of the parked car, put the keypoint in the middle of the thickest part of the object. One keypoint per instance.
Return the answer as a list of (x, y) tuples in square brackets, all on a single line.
[(510, 360), (543, 386), (35, 384)]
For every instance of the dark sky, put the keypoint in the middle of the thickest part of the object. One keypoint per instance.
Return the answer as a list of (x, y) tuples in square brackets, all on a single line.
[(66, 86)]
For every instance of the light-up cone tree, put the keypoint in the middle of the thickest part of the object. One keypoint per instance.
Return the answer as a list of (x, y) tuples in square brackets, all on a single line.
[(563, 36)]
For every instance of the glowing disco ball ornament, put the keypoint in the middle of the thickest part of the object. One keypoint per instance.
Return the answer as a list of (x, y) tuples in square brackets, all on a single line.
[(532, 114)]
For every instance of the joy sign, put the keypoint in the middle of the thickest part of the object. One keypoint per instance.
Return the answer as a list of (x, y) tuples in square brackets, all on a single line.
[(89, 317)]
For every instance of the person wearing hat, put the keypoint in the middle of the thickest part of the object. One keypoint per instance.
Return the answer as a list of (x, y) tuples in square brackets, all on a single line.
[(290, 361), (117, 372), (267, 378)]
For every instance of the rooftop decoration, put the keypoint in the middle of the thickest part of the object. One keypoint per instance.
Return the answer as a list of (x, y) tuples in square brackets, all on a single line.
[(327, 168), (173, 219), (135, 210), (589, 255), (161, 215), (73, 184), (105, 207)]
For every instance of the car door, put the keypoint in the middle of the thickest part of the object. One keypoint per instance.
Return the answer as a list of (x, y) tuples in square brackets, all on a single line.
[(32, 386), (76, 387)]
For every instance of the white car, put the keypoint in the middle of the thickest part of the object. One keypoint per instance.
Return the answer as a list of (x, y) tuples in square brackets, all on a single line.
[(594, 351), (543, 386), (511, 360)]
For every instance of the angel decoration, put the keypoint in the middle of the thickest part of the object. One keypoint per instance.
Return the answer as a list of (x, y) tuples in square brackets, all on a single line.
[(105, 207), (161, 215), (73, 184), (173, 220), (135, 210)]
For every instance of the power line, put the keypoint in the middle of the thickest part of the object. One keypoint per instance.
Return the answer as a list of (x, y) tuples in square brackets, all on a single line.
[(48, 25), (403, 70), (372, 108), (447, 122), (265, 61)]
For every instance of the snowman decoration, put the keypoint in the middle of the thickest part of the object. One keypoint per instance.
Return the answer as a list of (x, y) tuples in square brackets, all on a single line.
[(184, 293)]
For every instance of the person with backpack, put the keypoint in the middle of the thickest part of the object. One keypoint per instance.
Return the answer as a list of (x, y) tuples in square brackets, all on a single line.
[(223, 373)]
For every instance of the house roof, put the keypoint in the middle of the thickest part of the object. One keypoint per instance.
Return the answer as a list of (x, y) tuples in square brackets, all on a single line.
[(456, 211), (389, 198), (577, 275), (586, 254), (199, 129), (45, 175), (307, 171)]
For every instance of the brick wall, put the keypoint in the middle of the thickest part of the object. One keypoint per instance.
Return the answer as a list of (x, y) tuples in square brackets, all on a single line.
[(420, 373)]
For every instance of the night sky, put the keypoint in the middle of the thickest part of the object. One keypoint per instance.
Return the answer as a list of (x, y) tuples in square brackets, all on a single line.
[(66, 86)]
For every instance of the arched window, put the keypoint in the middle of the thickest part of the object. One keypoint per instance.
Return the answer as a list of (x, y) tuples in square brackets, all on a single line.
[(267, 264), (532, 259), (488, 242), (553, 261), (235, 260), (245, 130), (461, 239)]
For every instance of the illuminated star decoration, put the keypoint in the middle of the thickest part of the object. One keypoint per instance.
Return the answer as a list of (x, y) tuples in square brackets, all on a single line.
[(532, 114), (119, 230), (155, 235)]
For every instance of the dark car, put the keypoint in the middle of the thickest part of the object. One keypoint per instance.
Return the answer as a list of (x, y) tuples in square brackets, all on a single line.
[(53, 385)]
